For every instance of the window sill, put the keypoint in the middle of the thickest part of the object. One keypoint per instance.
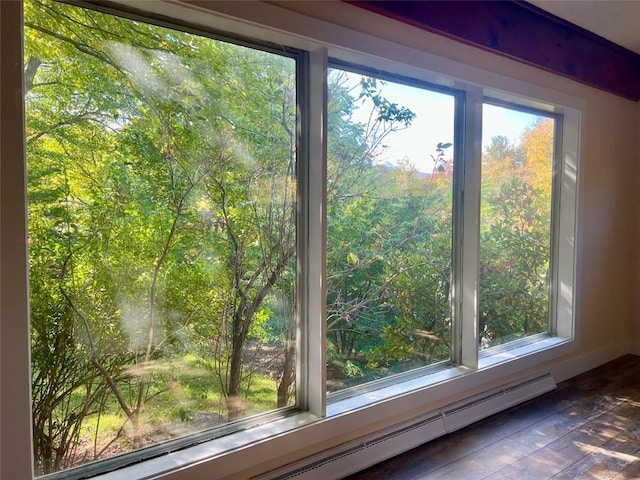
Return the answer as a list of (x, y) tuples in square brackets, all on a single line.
[(488, 359), (495, 356), (442, 374), (164, 465)]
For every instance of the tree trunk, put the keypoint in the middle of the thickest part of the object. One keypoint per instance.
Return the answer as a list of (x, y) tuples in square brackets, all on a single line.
[(288, 375), (235, 405), (30, 70)]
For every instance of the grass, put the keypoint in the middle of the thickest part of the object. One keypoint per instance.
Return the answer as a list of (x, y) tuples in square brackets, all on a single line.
[(185, 396)]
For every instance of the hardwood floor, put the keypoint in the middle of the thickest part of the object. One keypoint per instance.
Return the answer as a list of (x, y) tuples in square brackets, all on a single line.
[(588, 428)]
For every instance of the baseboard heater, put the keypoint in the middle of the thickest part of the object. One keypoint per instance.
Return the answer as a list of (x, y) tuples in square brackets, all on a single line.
[(351, 457)]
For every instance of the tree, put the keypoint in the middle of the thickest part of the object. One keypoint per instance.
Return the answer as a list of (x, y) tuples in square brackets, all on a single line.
[(538, 143)]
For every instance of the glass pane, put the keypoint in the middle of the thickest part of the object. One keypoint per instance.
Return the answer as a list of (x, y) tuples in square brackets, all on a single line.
[(389, 189), (515, 225), (161, 232)]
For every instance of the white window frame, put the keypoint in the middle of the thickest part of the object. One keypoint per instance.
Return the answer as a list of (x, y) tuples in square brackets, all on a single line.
[(261, 448)]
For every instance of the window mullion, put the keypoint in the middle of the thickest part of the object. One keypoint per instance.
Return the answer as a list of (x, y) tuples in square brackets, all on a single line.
[(565, 205), (313, 174), (467, 234)]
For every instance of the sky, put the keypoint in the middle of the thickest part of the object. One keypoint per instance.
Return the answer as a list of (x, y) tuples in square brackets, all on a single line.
[(434, 123)]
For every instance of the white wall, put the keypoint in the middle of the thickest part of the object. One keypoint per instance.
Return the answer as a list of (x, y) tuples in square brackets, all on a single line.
[(15, 437)]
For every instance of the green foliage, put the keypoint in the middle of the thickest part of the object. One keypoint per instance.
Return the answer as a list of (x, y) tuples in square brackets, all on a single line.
[(501, 149), (386, 111), (514, 276), (389, 248)]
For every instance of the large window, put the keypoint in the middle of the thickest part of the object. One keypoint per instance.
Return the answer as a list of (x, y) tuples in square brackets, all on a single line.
[(515, 224), (234, 232), (162, 232), (389, 227)]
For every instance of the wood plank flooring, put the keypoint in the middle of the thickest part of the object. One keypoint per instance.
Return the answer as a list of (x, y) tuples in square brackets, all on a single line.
[(588, 428)]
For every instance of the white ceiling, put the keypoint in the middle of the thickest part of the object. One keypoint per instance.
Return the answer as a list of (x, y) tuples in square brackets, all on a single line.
[(615, 20)]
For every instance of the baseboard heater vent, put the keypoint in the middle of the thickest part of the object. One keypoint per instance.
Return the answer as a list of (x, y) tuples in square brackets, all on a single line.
[(351, 457)]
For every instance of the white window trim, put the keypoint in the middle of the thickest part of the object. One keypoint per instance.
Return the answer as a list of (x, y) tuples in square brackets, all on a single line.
[(311, 367), (468, 303), (300, 435)]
